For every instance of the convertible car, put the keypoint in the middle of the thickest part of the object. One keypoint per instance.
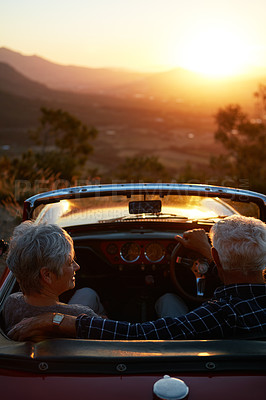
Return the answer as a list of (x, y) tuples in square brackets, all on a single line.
[(124, 237)]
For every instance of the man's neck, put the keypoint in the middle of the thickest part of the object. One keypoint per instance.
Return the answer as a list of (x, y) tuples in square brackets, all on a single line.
[(234, 277)]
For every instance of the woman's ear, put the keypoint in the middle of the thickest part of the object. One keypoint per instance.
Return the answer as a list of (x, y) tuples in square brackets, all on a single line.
[(46, 276)]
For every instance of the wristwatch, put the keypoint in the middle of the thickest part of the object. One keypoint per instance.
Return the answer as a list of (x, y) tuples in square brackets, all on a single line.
[(58, 318)]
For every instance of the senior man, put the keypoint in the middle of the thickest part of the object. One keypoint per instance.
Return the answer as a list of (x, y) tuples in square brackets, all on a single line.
[(238, 308)]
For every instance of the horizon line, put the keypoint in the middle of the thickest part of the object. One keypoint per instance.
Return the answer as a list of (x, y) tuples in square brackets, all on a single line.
[(249, 71)]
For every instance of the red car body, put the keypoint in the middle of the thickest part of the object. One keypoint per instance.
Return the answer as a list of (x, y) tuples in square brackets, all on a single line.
[(65, 368)]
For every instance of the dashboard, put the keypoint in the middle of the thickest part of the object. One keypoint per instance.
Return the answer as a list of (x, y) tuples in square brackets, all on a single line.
[(130, 270), (138, 251)]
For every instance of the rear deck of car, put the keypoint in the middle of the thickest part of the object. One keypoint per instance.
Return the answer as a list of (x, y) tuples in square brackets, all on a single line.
[(133, 357)]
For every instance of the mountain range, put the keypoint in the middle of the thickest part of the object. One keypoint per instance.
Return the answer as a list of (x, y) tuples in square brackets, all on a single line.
[(169, 114), (180, 84), (73, 78)]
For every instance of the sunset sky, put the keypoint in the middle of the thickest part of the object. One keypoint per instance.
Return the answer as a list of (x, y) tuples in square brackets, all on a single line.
[(208, 36)]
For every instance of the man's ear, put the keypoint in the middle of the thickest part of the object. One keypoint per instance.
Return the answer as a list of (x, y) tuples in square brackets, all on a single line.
[(45, 274), (217, 261), (215, 256)]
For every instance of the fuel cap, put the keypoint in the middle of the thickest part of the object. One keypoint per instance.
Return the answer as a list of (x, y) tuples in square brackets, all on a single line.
[(169, 388)]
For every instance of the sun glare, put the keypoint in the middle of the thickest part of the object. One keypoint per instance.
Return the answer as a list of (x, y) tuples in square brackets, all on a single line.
[(214, 52)]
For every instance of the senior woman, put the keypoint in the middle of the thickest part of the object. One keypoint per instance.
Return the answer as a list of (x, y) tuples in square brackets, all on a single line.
[(41, 256)]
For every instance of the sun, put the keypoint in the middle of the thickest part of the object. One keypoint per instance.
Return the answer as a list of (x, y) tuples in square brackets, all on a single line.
[(214, 52)]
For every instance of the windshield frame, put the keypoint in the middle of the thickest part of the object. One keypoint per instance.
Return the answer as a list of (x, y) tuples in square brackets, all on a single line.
[(144, 189)]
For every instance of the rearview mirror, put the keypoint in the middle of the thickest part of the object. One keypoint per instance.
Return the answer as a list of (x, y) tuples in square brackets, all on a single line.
[(142, 207)]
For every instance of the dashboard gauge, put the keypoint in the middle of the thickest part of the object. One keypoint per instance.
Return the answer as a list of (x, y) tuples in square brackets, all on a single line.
[(154, 252), (112, 249), (130, 252)]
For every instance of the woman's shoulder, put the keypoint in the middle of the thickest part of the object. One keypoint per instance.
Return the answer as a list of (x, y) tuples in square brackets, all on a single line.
[(76, 309), (14, 298), (13, 310)]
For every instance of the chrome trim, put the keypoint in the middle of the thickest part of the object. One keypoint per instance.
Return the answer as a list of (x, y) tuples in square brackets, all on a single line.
[(158, 259), (141, 188), (136, 258), (6, 288)]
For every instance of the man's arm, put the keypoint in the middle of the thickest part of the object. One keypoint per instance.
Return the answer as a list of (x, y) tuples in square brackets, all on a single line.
[(84, 327), (41, 327), (207, 321), (105, 329)]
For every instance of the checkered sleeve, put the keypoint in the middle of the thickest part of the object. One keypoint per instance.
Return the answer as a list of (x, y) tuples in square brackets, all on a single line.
[(235, 310), (193, 325)]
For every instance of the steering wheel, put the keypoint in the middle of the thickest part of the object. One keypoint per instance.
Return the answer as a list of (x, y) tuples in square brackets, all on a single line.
[(199, 270)]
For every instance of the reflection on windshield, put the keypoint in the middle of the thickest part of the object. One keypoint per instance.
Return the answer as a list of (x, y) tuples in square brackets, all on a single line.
[(116, 208)]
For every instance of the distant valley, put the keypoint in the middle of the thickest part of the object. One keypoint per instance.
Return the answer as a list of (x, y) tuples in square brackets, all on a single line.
[(166, 114)]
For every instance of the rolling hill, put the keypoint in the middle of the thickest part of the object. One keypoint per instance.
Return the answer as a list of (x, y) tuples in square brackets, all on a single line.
[(127, 127), (181, 85), (15, 83), (73, 78), (168, 114)]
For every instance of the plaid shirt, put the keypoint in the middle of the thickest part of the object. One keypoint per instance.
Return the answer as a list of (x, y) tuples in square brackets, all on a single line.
[(234, 310)]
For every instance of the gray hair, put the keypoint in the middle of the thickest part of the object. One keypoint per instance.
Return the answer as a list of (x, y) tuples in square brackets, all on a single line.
[(34, 246), (240, 242)]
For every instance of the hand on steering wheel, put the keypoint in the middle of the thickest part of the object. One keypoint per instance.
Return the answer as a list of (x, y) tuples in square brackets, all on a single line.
[(196, 240)]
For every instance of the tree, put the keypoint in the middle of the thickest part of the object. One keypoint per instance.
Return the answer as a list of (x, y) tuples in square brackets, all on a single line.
[(64, 142), (260, 103), (142, 169), (64, 145), (244, 140)]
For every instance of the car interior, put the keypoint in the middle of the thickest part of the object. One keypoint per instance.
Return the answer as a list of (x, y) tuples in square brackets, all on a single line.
[(128, 253), (133, 265)]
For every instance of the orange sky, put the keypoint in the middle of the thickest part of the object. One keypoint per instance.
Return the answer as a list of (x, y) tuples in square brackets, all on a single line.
[(213, 37)]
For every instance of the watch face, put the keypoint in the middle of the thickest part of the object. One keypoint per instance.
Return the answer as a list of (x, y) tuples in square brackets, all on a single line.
[(58, 318)]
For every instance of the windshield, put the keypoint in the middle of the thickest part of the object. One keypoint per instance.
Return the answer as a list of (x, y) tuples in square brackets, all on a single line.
[(119, 208)]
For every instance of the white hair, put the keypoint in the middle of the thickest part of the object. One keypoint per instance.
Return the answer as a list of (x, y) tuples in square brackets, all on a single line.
[(34, 246), (240, 242)]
